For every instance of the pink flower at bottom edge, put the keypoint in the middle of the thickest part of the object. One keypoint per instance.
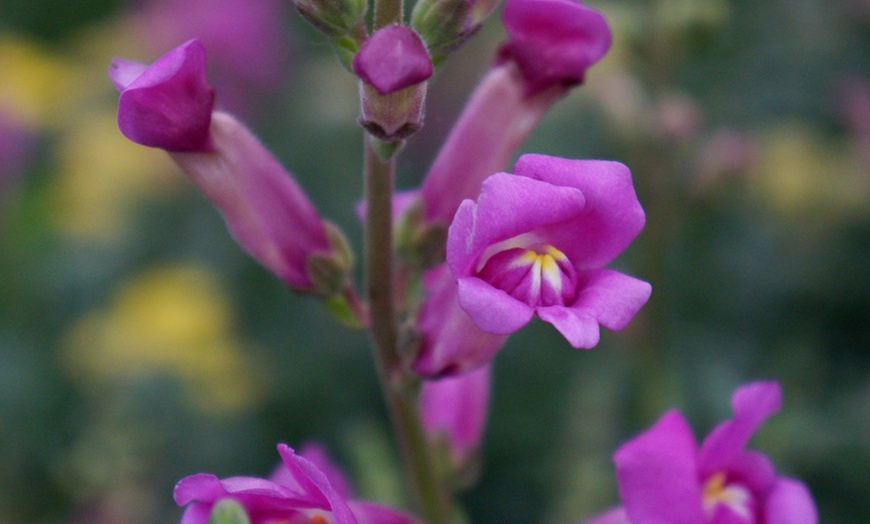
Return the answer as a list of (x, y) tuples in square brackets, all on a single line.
[(664, 478), (299, 492)]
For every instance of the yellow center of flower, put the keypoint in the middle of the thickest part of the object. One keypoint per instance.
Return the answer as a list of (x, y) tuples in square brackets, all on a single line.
[(735, 496), (537, 274)]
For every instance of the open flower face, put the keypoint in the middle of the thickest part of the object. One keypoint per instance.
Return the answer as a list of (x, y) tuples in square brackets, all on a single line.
[(664, 477), (536, 242)]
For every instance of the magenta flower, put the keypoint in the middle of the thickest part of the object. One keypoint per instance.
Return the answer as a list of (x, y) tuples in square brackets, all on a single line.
[(168, 104), (553, 42), (664, 477), (536, 242), (264, 208), (455, 409), (450, 343), (298, 492)]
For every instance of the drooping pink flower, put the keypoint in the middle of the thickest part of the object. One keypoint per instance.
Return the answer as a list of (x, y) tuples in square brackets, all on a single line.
[(536, 242), (450, 343), (553, 42), (456, 408), (168, 105), (297, 492), (664, 477)]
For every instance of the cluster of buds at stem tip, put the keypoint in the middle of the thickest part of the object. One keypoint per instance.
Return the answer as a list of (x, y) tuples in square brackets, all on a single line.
[(447, 24), (169, 105), (343, 21), (393, 66)]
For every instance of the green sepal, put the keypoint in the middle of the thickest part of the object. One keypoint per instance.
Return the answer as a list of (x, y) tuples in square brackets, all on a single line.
[(228, 511), (340, 308)]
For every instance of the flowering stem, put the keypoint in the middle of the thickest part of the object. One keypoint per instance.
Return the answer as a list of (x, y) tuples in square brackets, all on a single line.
[(396, 379)]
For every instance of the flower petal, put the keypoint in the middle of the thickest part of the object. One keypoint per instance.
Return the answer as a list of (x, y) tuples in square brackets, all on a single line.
[(491, 309), (508, 206), (316, 484), (392, 59), (169, 104), (752, 404), (610, 297), (611, 217), (658, 476), (790, 502), (578, 328)]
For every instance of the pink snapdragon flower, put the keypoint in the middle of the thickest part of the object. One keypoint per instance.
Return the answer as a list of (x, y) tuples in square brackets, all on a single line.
[(664, 477), (536, 241), (302, 490), (169, 105), (550, 45), (455, 409)]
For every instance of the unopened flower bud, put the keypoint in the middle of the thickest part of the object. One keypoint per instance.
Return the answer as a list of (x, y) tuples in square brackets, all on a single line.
[(333, 18), (447, 24), (393, 65)]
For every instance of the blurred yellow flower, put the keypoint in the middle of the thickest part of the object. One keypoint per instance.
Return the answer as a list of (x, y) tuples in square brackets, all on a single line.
[(171, 321), (36, 84), (101, 176), (803, 172)]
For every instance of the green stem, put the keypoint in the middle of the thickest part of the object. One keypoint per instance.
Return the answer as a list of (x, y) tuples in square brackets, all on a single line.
[(387, 12), (396, 380)]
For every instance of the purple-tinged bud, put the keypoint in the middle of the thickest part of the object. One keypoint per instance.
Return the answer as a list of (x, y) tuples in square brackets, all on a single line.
[(454, 412), (393, 65), (447, 24), (553, 42), (167, 104), (334, 18), (266, 211)]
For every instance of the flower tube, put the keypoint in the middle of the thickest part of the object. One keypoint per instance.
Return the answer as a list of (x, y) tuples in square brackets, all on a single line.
[(169, 105), (536, 241), (455, 409), (550, 45)]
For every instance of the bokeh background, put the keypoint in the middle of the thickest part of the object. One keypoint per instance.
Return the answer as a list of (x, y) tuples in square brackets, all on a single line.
[(138, 344)]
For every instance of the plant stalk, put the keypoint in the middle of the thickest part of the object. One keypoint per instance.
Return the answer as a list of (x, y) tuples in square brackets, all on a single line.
[(396, 380)]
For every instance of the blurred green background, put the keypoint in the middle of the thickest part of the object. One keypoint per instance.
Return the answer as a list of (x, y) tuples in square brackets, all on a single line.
[(138, 344)]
